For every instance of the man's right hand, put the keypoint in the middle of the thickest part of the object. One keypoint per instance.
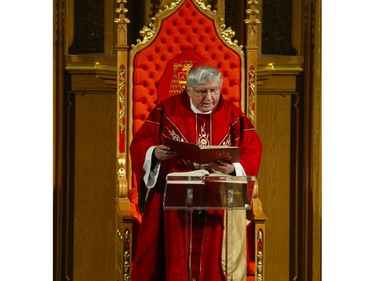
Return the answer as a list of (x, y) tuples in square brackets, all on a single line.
[(163, 152)]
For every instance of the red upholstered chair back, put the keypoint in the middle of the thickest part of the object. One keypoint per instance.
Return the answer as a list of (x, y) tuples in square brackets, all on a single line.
[(184, 36)]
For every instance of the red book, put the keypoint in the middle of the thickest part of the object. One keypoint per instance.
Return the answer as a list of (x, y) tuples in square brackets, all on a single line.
[(205, 154), (201, 190)]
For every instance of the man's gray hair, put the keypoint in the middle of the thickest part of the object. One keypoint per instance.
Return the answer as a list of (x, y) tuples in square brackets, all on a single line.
[(202, 74)]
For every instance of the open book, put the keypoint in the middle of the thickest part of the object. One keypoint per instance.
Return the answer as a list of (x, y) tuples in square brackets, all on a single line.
[(200, 175), (205, 154)]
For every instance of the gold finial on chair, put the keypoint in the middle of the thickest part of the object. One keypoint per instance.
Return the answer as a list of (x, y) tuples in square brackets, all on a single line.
[(252, 20), (121, 11), (203, 5)]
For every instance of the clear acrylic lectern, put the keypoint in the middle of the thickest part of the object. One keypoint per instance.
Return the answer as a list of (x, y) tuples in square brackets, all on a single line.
[(191, 192)]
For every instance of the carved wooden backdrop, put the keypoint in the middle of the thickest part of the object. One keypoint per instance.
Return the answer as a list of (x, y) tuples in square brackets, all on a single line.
[(288, 121)]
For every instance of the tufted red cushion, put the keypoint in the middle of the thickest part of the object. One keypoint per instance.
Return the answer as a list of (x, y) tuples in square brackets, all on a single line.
[(186, 28)]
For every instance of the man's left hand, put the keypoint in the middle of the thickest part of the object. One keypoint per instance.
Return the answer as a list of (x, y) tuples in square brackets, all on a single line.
[(222, 166)]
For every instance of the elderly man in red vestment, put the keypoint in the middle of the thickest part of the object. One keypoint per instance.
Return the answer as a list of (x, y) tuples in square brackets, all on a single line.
[(199, 115)]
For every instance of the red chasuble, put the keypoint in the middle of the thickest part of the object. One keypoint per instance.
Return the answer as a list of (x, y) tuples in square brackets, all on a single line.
[(161, 251)]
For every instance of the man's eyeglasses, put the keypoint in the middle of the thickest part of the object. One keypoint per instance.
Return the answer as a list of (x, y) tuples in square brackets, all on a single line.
[(205, 92)]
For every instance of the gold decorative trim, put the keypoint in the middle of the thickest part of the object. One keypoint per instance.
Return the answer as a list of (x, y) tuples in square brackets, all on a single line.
[(148, 32), (121, 177), (122, 183), (228, 34), (122, 49), (127, 256), (252, 20), (171, 6), (121, 11), (121, 97), (119, 248), (259, 261), (203, 6), (252, 93)]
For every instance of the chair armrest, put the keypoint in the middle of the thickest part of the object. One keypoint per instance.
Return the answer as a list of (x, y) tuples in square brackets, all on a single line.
[(258, 214)]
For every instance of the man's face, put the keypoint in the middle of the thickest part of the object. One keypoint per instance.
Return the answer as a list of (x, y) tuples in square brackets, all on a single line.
[(205, 96)]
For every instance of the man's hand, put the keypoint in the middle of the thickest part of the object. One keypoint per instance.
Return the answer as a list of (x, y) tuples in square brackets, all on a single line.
[(222, 166), (163, 152)]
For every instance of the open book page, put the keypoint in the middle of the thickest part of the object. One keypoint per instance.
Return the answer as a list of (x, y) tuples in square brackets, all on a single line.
[(196, 173)]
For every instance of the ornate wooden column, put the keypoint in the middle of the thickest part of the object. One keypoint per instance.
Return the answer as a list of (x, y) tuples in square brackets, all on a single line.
[(251, 91), (124, 218)]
